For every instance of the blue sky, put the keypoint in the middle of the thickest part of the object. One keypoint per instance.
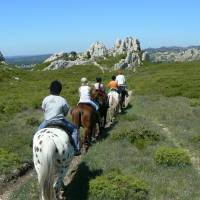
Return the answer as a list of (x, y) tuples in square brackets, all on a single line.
[(47, 26)]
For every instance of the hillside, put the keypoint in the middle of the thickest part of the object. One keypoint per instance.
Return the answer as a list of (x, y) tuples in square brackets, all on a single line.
[(162, 119), (26, 60)]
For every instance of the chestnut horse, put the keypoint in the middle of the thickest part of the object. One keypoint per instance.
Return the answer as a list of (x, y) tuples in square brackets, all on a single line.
[(102, 100), (84, 115)]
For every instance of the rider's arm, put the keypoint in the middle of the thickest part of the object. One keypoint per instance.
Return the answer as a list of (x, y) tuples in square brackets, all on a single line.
[(65, 108), (43, 105)]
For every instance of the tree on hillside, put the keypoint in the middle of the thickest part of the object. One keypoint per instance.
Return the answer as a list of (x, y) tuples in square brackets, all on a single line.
[(73, 55)]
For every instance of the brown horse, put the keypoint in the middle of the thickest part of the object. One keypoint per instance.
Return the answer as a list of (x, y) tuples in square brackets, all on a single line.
[(102, 100), (84, 115)]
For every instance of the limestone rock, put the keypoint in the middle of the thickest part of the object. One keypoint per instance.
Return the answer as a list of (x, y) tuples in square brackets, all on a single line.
[(172, 56), (128, 44), (97, 49), (132, 60), (54, 57), (60, 64), (145, 56)]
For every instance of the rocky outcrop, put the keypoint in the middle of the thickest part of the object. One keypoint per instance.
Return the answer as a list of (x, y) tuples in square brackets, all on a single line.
[(61, 64), (129, 47), (145, 56), (126, 45), (1, 57), (132, 60), (97, 49), (172, 56), (55, 56)]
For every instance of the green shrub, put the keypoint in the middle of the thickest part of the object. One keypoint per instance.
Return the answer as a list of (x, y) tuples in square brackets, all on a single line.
[(118, 187), (196, 138), (171, 157), (139, 133), (7, 159)]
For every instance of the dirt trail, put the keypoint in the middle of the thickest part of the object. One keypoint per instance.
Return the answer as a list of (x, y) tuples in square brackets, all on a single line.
[(15, 184), (194, 158), (10, 187)]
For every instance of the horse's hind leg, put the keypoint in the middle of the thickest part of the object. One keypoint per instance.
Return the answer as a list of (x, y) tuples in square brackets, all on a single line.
[(87, 138)]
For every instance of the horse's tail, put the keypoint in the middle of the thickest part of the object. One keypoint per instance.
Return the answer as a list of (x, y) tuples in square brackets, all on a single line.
[(76, 116), (46, 170)]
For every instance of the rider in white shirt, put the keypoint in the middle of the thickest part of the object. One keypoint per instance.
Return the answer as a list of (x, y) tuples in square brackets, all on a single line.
[(122, 88), (84, 92), (120, 78)]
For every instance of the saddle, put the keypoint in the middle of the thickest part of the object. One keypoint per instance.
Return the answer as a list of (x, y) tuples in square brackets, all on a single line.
[(60, 125), (85, 103)]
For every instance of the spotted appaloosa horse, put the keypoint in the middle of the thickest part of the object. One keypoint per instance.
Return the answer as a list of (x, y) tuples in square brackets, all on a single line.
[(52, 154)]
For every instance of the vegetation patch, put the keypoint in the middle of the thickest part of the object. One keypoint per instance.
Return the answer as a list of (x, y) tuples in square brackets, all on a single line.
[(117, 186), (196, 138), (139, 133), (8, 158), (172, 157), (32, 121), (41, 66), (110, 61)]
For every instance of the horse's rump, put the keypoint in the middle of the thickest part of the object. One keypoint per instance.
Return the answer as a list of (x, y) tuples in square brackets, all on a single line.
[(83, 114), (113, 97)]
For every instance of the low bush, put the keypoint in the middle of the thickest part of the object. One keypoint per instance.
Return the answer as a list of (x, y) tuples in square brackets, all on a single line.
[(139, 133), (196, 138), (172, 157), (8, 158), (118, 187)]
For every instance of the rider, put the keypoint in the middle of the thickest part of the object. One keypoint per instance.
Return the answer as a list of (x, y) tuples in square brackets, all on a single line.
[(55, 109), (85, 95), (121, 81), (98, 85), (113, 85)]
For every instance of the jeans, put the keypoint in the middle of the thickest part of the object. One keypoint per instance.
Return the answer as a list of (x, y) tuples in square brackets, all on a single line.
[(72, 129)]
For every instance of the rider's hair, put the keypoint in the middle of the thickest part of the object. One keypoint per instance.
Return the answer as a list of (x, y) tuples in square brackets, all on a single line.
[(113, 77), (120, 71), (98, 79), (55, 87)]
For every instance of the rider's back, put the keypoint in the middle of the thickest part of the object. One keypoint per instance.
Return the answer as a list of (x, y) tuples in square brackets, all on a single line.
[(84, 91), (120, 79), (54, 106)]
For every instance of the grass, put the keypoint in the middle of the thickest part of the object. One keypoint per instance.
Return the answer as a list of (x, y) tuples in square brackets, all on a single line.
[(166, 98), (177, 79), (110, 61)]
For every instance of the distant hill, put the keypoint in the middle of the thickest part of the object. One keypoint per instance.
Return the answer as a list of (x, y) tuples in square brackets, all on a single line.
[(170, 49), (26, 60)]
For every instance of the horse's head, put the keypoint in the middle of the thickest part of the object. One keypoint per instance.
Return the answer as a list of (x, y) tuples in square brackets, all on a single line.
[(94, 93)]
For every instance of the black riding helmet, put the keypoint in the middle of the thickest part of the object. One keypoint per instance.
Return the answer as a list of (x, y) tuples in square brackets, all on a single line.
[(55, 87), (113, 77), (98, 79)]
